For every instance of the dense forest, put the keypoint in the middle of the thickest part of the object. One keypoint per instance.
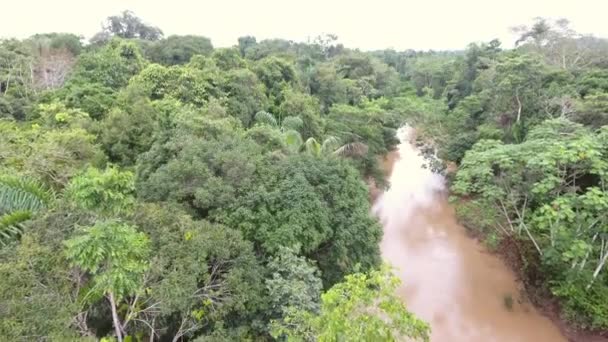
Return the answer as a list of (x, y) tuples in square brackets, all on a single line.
[(160, 189)]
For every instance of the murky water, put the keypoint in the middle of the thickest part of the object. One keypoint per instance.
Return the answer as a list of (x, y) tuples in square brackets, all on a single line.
[(449, 279)]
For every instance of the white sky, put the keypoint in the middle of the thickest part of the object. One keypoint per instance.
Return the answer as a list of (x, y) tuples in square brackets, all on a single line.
[(365, 24)]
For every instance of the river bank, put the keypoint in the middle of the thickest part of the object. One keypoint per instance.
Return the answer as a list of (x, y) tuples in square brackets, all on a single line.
[(475, 294), (509, 251), (449, 278)]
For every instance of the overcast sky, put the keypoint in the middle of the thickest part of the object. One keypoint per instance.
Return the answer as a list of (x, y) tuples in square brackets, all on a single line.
[(368, 24)]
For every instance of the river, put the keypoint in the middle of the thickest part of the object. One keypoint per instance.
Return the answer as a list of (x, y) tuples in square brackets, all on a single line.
[(448, 278)]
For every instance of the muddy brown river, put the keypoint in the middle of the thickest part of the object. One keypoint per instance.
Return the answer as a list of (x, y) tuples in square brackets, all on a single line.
[(449, 279)]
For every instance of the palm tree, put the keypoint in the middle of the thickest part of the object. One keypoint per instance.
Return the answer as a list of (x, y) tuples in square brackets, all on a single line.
[(294, 142), (20, 199)]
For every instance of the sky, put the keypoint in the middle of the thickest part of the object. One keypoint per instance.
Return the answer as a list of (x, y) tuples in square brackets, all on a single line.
[(363, 24)]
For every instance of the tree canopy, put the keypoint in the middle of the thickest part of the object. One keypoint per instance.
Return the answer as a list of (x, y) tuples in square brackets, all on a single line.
[(158, 188)]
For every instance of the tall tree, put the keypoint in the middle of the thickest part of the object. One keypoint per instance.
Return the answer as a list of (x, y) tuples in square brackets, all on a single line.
[(127, 25)]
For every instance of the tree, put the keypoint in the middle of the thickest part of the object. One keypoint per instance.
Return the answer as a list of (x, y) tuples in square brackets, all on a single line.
[(176, 50), (228, 58), (276, 74), (92, 98), (202, 274), (54, 55), (316, 204), (203, 165), (517, 81), (306, 107), (362, 308), (17, 85), (327, 85), (112, 66), (293, 284), (128, 130), (245, 43), (57, 155), (560, 45), (246, 95), (115, 255), (127, 25), (109, 192), (548, 191), (36, 292)]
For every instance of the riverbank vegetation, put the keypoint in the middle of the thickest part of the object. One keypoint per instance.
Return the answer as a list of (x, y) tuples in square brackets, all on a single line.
[(526, 128), (159, 188)]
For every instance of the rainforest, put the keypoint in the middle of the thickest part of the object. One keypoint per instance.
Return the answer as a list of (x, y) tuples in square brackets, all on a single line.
[(158, 188)]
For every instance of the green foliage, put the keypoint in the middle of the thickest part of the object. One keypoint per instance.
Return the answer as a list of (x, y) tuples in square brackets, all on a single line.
[(11, 225), (59, 41), (129, 130), (57, 155), (175, 50), (17, 193), (35, 270), (56, 115), (114, 253), (93, 98), (246, 95), (109, 192), (549, 191), (265, 118), (293, 284), (20, 199), (111, 67), (307, 108), (362, 308), (276, 74), (316, 204), (228, 58), (201, 272), (127, 25), (244, 167)]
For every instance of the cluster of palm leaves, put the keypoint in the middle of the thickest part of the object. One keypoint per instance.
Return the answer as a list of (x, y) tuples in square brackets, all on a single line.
[(294, 142), (20, 199)]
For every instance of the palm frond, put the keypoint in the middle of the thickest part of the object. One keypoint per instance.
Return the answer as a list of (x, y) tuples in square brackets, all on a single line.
[(330, 144), (23, 194), (265, 118), (11, 226), (293, 140), (354, 149), (313, 147), (292, 122)]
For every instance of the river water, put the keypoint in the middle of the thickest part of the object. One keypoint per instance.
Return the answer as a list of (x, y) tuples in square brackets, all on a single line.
[(449, 279)]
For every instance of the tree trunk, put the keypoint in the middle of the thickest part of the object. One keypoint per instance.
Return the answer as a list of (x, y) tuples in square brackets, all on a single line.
[(518, 106), (603, 260), (115, 318)]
